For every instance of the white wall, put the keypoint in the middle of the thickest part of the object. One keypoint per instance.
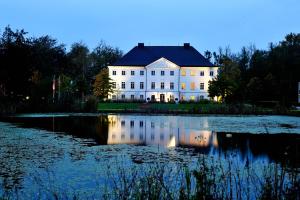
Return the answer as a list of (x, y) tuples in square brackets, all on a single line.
[(158, 66)]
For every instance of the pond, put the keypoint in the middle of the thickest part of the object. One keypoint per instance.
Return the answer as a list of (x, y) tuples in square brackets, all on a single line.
[(44, 155)]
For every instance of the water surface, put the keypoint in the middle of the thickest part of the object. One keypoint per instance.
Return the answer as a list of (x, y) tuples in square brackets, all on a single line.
[(74, 150)]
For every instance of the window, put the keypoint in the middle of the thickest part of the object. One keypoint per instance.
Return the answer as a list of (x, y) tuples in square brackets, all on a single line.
[(131, 136), (141, 97), (183, 86), (162, 73), (183, 98), (192, 98), (141, 137), (131, 123), (123, 85), (114, 73), (141, 85), (142, 73), (132, 73), (152, 137), (211, 73), (122, 123), (123, 73), (152, 125), (153, 73), (132, 97), (114, 97), (152, 85), (193, 73), (202, 73), (171, 73), (141, 123), (171, 86), (113, 85), (162, 85), (132, 85), (123, 96), (183, 72), (201, 86), (201, 97), (193, 86)]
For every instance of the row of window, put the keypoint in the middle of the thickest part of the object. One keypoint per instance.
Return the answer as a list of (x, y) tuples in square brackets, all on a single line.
[(162, 85), (162, 73), (141, 136), (141, 124), (123, 97)]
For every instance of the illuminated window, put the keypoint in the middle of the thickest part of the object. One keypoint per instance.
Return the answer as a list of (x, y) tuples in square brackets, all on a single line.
[(211, 73), (183, 72), (171, 73), (114, 73), (192, 98), (171, 86), (183, 98), (183, 86), (193, 86), (132, 73), (202, 73), (123, 73), (201, 86), (152, 85), (193, 73), (162, 85), (123, 85)]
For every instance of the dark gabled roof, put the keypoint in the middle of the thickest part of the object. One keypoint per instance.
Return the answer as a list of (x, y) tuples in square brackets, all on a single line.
[(184, 56)]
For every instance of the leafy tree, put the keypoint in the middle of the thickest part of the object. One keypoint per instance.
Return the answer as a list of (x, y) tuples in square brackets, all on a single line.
[(104, 55), (226, 84), (102, 85)]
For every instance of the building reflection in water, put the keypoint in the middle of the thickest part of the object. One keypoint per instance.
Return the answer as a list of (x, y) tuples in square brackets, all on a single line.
[(167, 131)]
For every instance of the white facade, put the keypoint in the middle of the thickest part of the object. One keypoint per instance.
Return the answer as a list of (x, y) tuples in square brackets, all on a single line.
[(161, 80)]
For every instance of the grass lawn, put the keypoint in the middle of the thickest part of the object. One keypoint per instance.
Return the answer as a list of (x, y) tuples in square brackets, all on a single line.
[(159, 107)]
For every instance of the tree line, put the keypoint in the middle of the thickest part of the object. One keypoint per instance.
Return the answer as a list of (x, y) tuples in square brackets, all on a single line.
[(258, 76), (31, 67)]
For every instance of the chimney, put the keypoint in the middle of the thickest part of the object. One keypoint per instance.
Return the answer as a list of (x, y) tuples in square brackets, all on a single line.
[(140, 45), (186, 45)]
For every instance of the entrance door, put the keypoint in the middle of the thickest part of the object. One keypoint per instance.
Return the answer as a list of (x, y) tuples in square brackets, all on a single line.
[(162, 98)]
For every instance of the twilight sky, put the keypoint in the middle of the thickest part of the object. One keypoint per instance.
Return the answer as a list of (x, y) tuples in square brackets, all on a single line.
[(206, 24)]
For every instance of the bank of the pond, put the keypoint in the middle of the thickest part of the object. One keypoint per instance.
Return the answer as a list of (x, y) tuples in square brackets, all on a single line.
[(191, 108)]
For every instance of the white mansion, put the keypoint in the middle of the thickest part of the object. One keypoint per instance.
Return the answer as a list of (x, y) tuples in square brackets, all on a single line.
[(161, 73)]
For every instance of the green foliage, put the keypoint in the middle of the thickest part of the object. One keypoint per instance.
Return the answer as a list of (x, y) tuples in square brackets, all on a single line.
[(257, 75), (102, 85), (28, 66), (226, 84)]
